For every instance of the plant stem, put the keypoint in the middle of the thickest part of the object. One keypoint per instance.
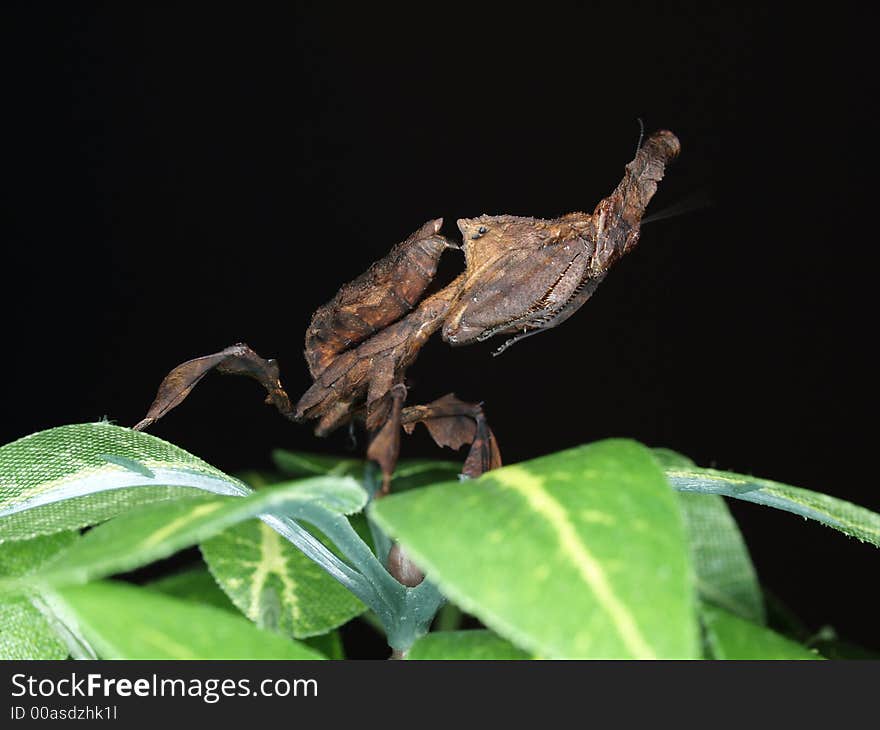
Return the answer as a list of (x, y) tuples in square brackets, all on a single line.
[(405, 613)]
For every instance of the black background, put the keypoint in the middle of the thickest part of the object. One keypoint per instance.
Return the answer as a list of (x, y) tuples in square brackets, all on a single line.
[(189, 176)]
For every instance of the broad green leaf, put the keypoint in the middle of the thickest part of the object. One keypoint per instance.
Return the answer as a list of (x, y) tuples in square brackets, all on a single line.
[(581, 554), (25, 632), (465, 645), (731, 637), (74, 476), (127, 622), (849, 518), (274, 584), (157, 531), (198, 585), (194, 584), (724, 571)]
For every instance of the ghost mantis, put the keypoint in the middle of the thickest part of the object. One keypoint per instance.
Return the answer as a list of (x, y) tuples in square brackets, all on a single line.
[(522, 276)]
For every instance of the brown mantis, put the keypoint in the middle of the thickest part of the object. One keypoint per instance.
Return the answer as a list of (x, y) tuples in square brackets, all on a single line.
[(522, 276)]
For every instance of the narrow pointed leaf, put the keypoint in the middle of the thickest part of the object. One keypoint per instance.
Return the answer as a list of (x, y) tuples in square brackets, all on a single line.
[(848, 518), (412, 473), (579, 554), (408, 474), (302, 464), (126, 622)]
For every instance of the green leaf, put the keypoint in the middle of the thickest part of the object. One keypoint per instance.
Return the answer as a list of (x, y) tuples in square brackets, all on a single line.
[(274, 584), (74, 476), (844, 516), (25, 632), (157, 531), (731, 637), (448, 618), (198, 585), (465, 645), (410, 473), (25, 556), (302, 464), (724, 571), (581, 554), (126, 622), (195, 584), (413, 473), (359, 524)]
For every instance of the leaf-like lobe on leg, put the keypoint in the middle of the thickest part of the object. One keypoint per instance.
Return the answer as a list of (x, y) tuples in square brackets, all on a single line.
[(450, 421), (235, 360), (453, 422), (385, 446), (484, 454)]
